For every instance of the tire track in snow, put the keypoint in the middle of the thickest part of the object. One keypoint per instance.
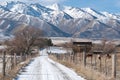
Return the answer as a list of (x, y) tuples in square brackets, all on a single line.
[(65, 76), (31, 72)]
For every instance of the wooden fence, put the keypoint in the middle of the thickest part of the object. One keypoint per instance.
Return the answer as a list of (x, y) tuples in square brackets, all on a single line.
[(9, 62), (104, 64)]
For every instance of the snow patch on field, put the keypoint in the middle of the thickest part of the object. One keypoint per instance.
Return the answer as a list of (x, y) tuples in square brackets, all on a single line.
[(59, 50)]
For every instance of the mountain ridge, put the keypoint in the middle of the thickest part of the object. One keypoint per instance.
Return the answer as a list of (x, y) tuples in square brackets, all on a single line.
[(60, 20)]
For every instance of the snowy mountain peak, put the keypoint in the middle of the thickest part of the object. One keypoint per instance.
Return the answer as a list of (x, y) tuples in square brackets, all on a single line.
[(88, 9), (112, 16), (44, 12), (94, 12), (2, 8), (56, 7), (11, 3)]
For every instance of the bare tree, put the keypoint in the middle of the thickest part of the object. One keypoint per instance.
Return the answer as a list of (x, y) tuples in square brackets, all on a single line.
[(25, 39)]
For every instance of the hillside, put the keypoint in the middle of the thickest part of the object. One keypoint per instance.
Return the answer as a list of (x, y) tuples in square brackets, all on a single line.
[(60, 21)]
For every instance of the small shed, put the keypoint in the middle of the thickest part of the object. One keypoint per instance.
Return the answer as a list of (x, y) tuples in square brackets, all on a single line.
[(84, 45)]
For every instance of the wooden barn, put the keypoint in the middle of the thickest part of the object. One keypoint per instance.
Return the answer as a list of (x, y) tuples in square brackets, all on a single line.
[(84, 45)]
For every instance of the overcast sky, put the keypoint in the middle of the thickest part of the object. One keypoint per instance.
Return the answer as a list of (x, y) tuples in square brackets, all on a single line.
[(112, 6)]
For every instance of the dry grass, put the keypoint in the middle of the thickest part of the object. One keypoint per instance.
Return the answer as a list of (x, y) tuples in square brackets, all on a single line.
[(12, 73), (106, 64), (118, 66), (87, 72)]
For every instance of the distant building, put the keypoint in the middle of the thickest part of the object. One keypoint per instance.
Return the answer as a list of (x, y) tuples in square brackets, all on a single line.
[(85, 45)]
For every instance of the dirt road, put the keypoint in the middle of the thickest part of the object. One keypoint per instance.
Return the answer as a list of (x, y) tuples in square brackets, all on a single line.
[(43, 68)]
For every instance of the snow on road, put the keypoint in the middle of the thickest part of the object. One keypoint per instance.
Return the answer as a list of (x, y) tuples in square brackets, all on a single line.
[(43, 68)]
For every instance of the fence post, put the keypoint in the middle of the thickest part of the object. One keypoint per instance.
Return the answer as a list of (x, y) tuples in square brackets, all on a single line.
[(11, 61), (21, 57), (114, 65), (15, 60), (27, 56), (84, 58), (4, 64)]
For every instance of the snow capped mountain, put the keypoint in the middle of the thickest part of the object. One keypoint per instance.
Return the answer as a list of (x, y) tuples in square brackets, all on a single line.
[(94, 12), (2, 8), (78, 13), (57, 20), (40, 8), (21, 7), (56, 7), (112, 16)]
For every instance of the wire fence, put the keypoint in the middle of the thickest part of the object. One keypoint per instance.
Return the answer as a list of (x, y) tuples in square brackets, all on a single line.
[(104, 64), (9, 62)]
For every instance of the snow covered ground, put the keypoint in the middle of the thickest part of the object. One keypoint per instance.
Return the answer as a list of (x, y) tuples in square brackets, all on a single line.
[(43, 68), (59, 50)]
